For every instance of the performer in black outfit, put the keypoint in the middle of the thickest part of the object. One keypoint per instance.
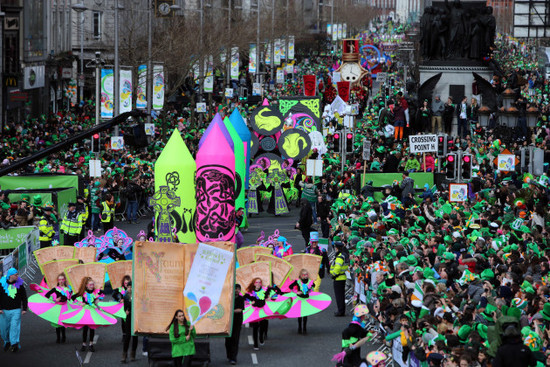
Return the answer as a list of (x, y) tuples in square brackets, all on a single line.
[(127, 326), (257, 295), (232, 342), (302, 287)]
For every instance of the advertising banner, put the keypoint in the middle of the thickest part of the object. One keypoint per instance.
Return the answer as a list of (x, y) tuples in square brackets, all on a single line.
[(141, 90), (125, 92), (252, 58), (235, 63), (107, 97), (158, 87)]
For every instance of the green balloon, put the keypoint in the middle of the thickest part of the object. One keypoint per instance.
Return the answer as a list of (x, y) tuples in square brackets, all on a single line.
[(176, 169), (240, 167)]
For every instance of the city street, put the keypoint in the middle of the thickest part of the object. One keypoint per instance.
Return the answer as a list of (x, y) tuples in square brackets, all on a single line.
[(284, 346)]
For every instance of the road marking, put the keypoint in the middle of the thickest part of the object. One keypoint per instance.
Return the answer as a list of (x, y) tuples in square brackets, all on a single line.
[(254, 358), (89, 354), (250, 340)]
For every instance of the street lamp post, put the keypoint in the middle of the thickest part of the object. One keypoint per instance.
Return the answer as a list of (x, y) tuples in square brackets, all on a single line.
[(80, 8), (228, 78), (272, 40), (149, 61), (116, 84)]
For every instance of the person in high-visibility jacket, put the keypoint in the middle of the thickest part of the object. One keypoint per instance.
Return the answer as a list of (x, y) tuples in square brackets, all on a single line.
[(45, 226), (71, 226), (108, 213), (338, 272), (82, 209)]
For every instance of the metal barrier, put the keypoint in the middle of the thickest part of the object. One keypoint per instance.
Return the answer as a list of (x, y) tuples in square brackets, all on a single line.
[(22, 257)]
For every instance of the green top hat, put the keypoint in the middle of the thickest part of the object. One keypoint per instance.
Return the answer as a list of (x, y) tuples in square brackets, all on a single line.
[(487, 274), (463, 333)]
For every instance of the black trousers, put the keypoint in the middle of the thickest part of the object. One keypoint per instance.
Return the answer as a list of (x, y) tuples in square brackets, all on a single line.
[(259, 331), (325, 228), (108, 225), (182, 361), (69, 240), (127, 336), (305, 234), (232, 342), (44, 244), (340, 295), (85, 334)]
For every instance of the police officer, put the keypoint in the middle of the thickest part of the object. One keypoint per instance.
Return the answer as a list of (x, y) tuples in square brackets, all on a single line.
[(82, 209), (45, 226), (108, 213), (338, 273), (71, 225)]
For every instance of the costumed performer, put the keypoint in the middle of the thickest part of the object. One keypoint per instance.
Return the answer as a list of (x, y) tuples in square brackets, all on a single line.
[(303, 285), (282, 248), (354, 336), (62, 292), (89, 296), (314, 249), (13, 304), (232, 342), (257, 294), (183, 344), (116, 252), (119, 293)]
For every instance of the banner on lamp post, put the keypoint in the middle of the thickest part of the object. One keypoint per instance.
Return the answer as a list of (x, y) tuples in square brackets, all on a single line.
[(107, 81), (209, 76), (280, 75), (252, 58), (235, 63), (268, 54), (339, 32), (334, 32), (125, 85), (158, 87), (283, 49), (344, 30), (277, 52), (291, 48), (141, 90)]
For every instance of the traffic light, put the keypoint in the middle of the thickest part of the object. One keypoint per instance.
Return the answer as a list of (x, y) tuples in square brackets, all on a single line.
[(337, 141), (96, 143), (450, 143), (441, 145), (349, 142), (450, 161), (466, 169), (243, 94)]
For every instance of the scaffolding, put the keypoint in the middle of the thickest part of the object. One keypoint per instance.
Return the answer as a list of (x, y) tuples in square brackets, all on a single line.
[(532, 19)]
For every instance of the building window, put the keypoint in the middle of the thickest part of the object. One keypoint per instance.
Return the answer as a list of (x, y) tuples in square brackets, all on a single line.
[(97, 25)]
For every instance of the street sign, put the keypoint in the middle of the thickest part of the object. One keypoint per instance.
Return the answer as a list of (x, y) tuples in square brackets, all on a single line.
[(423, 143), (366, 149), (381, 77)]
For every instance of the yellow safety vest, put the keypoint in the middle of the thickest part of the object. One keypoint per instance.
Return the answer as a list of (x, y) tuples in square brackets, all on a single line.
[(107, 212)]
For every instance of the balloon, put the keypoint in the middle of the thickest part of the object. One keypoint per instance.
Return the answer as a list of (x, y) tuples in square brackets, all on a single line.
[(175, 169), (240, 166), (241, 128), (215, 187)]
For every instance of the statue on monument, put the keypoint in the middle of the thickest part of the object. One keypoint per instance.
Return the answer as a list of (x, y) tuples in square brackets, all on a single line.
[(454, 32), (456, 28), (426, 31)]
